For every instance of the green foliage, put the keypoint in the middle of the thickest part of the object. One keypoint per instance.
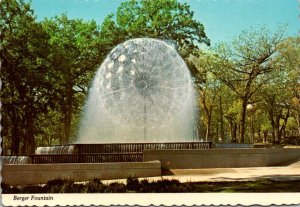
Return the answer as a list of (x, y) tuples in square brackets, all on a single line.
[(26, 91), (95, 186), (71, 187), (54, 186), (47, 66), (116, 188), (76, 53), (169, 20), (251, 66), (133, 184)]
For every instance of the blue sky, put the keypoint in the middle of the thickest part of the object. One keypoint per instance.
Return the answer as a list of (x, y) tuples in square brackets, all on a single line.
[(223, 19)]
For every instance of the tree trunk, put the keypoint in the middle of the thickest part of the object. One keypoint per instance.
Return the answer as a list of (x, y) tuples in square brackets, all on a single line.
[(16, 138), (298, 123), (233, 133), (265, 136), (271, 117), (252, 128), (222, 134), (273, 130), (67, 125), (277, 132), (208, 111), (208, 128), (270, 109), (243, 120), (283, 127), (68, 114), (259, 134), (29, 133)]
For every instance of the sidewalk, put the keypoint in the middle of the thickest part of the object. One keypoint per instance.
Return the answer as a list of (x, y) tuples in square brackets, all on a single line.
[(280, 173)]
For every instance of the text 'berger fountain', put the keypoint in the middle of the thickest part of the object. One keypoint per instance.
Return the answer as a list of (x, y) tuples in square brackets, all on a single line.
[(142, 92)]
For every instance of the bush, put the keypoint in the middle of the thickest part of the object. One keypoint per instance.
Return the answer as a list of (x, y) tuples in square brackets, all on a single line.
[(116, 188), (6, 189), (70, 187), (32, 189), (95, 186), (169, 186), (133, 185), (161, 186), (54, 186)]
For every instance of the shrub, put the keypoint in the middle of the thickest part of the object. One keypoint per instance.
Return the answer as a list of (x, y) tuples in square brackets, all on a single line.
[(6, 189), (54, 186), (167, 186), (133, 184), (145, 186), (32, 189), (95, 186), (116, 188), (70, 187)]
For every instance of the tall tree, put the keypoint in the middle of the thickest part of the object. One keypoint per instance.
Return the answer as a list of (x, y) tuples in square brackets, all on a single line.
[(290, 51), (208, 88), (25, 90), (75, 55), (245, 64), (168, 20)]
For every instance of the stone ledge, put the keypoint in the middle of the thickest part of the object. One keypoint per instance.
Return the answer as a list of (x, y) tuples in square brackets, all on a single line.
[(222, 158), (25, 174)]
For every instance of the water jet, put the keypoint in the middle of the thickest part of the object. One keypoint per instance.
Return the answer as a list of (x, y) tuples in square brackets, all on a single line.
[(142, 92)]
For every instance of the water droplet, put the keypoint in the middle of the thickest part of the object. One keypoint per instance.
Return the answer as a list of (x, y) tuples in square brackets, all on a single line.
[(108, 75), (110, 65), (122, 58), (121, 68), (133, 60)]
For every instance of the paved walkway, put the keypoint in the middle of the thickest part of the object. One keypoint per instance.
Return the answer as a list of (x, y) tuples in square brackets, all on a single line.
[(290, 172)]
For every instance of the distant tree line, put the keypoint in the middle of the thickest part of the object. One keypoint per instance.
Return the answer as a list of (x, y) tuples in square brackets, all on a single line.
[(248, 89)]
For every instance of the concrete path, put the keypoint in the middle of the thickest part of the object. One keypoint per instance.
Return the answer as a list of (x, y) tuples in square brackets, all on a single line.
[(280, 173)]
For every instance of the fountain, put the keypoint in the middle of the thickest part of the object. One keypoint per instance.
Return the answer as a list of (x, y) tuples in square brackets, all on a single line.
[(140, 117), (142, 92), (142, 98)]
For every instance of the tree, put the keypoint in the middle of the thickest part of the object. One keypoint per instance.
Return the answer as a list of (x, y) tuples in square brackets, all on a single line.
[(75, 55), (25, 91), (245, 64), (208, 88), (276, 98), (290, 51), (167, 20)]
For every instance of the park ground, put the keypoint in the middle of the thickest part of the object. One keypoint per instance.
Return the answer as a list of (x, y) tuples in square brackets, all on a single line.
[(253, 179), (289, 172)]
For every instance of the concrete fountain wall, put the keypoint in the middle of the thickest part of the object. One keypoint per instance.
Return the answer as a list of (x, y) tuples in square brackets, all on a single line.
[(154, 161), (222, 158), (24, 174)]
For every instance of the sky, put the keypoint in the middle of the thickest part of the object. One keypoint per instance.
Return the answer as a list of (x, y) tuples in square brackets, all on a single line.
[(223, 20)]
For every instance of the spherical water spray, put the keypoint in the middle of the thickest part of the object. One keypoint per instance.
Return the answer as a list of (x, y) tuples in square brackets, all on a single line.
[(141, 93)]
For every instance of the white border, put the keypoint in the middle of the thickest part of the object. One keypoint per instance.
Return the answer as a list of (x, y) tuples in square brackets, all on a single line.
[(156, 199)]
